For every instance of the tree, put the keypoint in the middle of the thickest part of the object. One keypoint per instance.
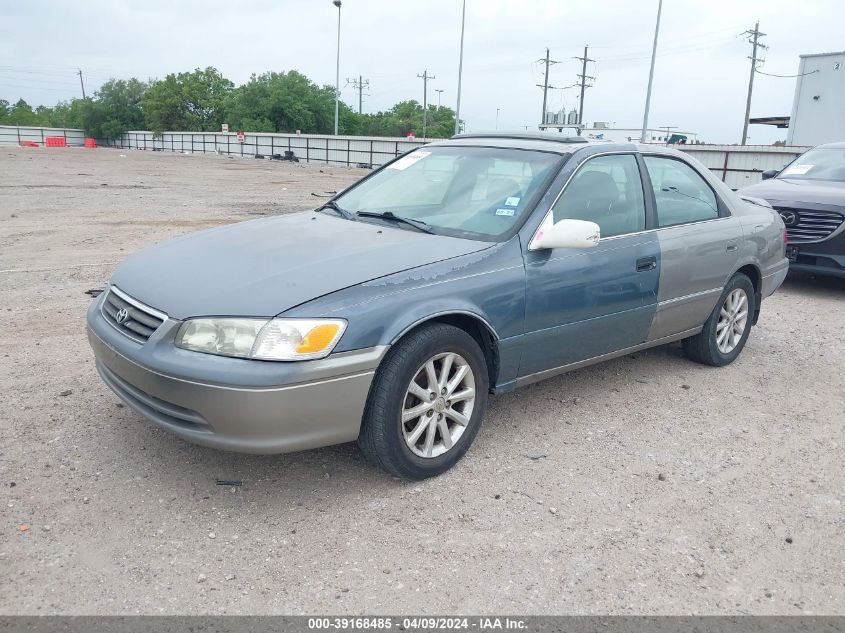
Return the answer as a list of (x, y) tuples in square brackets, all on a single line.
[(188, 101), (20, 114), (406, 117), (286, 102)]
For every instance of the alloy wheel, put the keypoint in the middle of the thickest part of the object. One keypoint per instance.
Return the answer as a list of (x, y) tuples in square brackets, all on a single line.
[(733, 318), (438, 405)]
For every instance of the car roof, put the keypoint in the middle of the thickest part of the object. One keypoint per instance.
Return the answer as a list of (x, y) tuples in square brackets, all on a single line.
[(840, 145), (551, 142)]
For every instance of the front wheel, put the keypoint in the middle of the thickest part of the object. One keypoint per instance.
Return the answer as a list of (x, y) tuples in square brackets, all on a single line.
[(726, 330), (426, 403)]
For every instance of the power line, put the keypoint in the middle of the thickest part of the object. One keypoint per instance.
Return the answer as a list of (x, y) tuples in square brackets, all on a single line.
[(426, 78), (583, 77), (812, 72), (753, 39), (545, 85)]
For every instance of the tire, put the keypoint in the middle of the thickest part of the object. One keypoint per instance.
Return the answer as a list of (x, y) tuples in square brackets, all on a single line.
[(709, 347), (387, 440)]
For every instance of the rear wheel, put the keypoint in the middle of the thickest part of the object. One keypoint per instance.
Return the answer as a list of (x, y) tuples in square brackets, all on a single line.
[(426, 403), (726, 330)]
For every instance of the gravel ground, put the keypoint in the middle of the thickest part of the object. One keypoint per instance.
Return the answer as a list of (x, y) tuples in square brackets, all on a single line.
[(648, 484)]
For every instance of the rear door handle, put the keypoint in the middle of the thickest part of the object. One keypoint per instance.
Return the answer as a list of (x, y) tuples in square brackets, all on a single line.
[(731, 248), (646, 263)]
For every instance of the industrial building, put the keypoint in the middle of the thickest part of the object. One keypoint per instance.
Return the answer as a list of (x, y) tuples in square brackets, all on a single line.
[(819, 102), (603, 130)]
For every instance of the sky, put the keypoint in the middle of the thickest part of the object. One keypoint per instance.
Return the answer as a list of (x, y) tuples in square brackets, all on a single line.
[(701, 74)]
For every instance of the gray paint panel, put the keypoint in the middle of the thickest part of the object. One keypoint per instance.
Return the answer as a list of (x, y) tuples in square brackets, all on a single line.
[(695, 264)]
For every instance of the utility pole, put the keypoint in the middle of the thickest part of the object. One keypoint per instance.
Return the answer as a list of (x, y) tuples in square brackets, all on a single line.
[(439, 92), (359, 85), (754, 40), (460, 70), (582, 81), (81, 83), (651, 74), (545, 85), (337, 3), (426, 78)]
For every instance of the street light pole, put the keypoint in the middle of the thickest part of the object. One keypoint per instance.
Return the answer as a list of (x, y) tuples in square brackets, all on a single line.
[(651, 74), (337, 71), (460, 71), (439, 92), (497, 118)]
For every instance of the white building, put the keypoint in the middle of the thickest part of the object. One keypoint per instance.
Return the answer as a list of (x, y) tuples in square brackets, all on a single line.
[(818, 109), (602, 130)]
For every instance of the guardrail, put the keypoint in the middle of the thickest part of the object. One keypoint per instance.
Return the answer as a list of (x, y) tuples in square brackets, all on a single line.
[(737, 165)]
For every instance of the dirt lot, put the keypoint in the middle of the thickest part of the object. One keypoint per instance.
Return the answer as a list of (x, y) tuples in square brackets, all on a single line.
[(648, 484)]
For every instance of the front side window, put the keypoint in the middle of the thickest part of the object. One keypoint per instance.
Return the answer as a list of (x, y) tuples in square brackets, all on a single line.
[(473, 192), (606, 190), (681, 195)]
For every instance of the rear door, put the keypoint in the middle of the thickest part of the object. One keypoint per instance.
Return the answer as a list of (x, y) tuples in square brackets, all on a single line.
[(698, 244), (584, 303)]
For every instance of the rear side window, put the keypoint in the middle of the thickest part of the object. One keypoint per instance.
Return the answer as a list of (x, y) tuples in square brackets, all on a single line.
[(681, 194)]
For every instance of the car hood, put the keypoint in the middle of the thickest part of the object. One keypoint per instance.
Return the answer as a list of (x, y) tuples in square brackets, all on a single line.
[(793, 192), (267, 266)]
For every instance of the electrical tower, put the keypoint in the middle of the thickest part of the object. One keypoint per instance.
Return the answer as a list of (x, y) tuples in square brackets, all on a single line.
[(360, 84), (545, 85), (426, 78), (583, 78), (753, 39)]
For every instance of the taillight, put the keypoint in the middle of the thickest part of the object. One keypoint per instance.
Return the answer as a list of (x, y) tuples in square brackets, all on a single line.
[(785, 237)]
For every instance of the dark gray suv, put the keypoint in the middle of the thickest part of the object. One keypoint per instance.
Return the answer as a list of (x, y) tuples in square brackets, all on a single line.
[(809, 194)]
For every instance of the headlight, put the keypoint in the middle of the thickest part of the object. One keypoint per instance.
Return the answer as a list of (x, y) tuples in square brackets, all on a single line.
[(273, 339)]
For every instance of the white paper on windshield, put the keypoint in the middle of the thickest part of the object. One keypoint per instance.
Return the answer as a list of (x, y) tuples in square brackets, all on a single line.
[(797, 170), (410, 159)]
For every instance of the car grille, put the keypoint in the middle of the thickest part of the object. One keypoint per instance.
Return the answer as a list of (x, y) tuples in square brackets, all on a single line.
[(806, 225), (131, 317)]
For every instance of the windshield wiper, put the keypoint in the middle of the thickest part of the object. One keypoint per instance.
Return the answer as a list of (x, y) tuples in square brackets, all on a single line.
[(331, 204), (389, 215)]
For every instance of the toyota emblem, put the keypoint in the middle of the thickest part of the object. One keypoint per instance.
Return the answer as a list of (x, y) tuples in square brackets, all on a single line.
[(790, 218), (121, 315)]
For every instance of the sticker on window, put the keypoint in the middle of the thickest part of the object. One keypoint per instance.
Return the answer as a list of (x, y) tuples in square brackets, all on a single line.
[(408, 160), (513, 201), (797, 170), (506, 212)]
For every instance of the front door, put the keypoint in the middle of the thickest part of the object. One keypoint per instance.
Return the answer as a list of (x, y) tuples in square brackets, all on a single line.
[(584, 303)]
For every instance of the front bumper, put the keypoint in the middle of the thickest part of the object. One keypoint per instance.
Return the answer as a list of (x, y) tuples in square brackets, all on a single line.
[(260, 407), (821, 258)]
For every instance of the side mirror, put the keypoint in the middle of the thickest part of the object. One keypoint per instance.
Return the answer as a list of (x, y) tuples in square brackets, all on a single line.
[(770, 173), (566, 234)]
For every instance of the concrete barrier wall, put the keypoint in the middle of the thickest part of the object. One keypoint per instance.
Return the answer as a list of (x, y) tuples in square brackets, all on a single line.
[(15, 135), (736, 165), (338, 150)]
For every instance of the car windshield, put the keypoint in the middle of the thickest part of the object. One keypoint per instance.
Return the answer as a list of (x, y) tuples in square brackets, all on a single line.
[(822, 163), (478, 193)]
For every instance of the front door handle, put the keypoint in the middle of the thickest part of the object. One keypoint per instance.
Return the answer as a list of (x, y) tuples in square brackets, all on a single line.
[(646, 263), (731, 248)]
